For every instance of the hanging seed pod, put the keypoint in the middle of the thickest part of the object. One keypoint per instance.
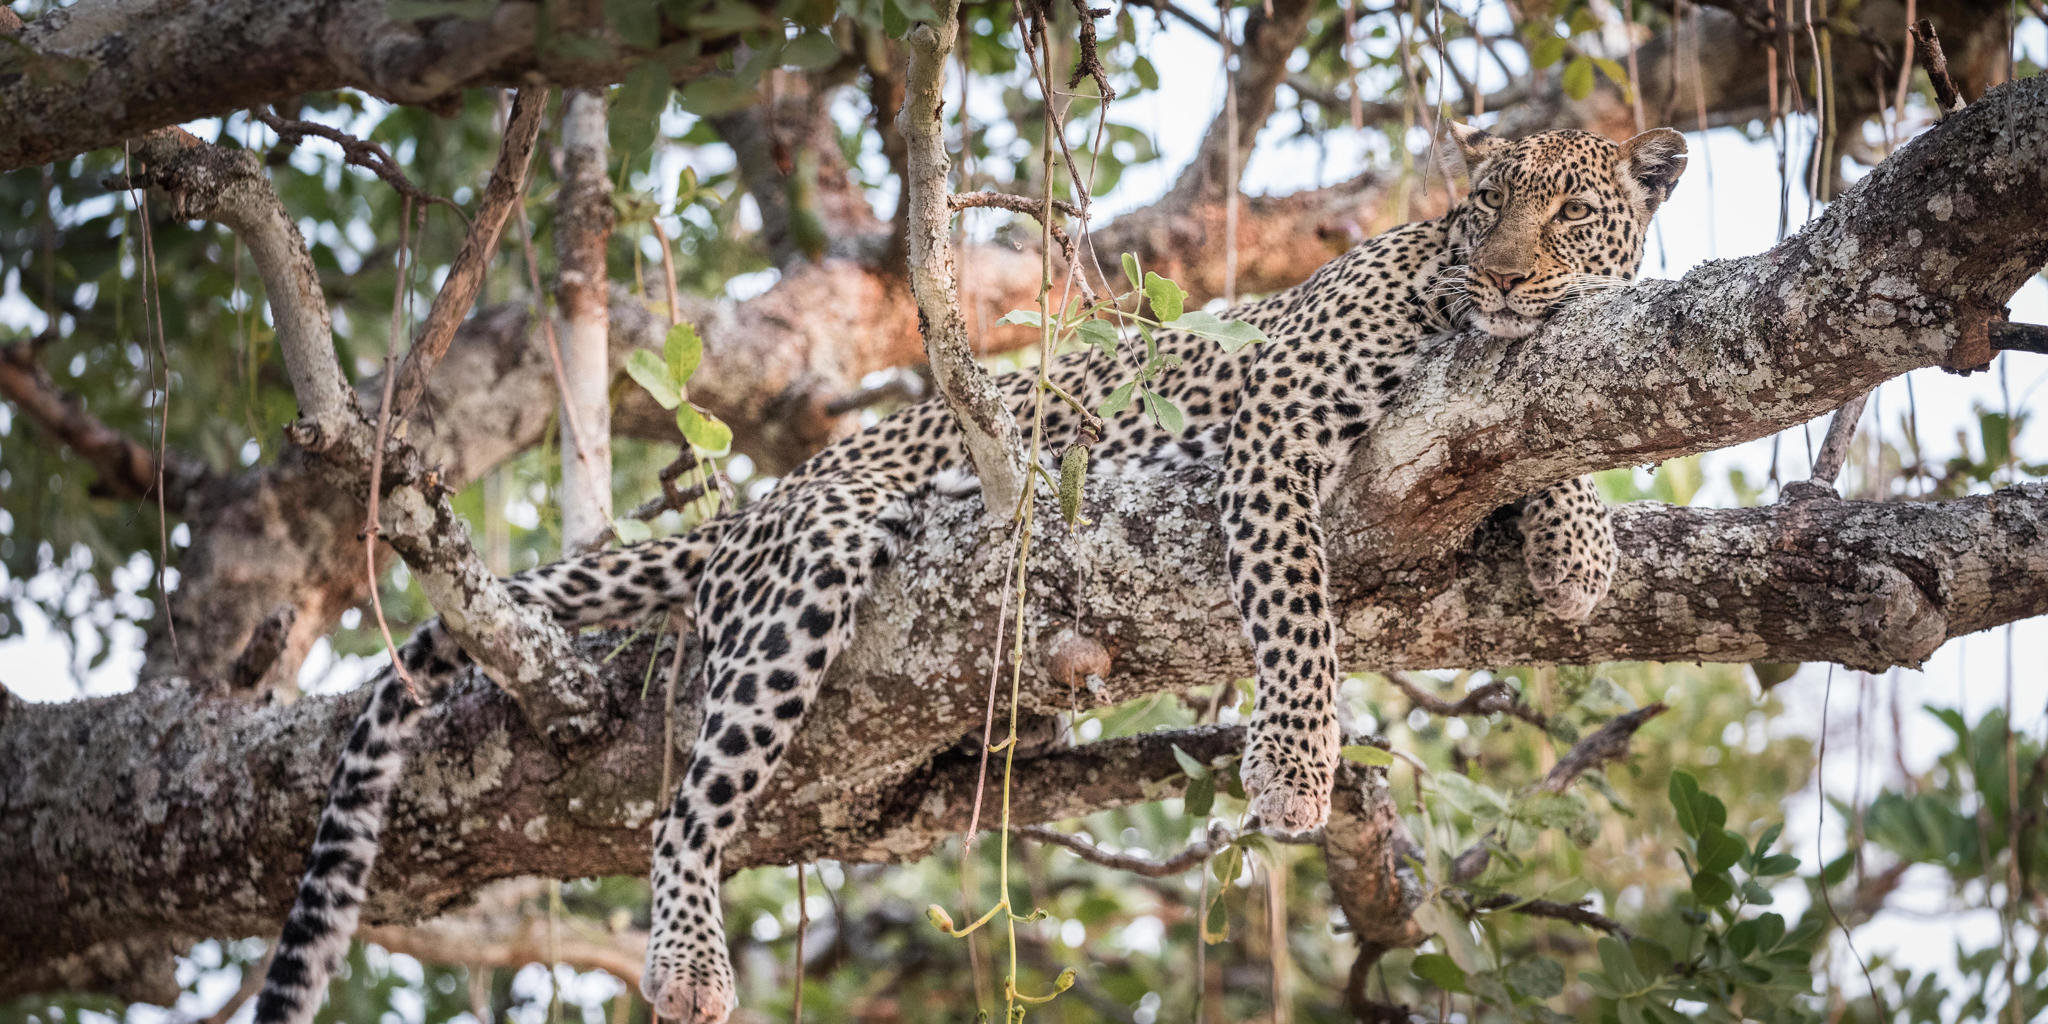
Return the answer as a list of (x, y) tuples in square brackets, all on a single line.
[(1073, 473)]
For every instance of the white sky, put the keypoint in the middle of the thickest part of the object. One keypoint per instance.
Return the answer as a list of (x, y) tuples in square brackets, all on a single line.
[(1725, 207)]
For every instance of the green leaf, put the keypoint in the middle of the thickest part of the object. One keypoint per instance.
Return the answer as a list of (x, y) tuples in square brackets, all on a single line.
[(1577, 78), (1027, 317), (1165, 413), (1216, 922), (1618, 964), (1099, 333), (1440, 971), (1479, 801), (1547, 51), (1232, 334), (1118, 400), (684, 351), (1201, 796), (1712, 888), (1370, 756), (1194, 769), (1615, 72), (703, 430), (1167, 298), (1131, 270), (637, 104), (632, 531), (1720, 850), (1778, 864), (812, 51), (1539, 977), (647, 370)]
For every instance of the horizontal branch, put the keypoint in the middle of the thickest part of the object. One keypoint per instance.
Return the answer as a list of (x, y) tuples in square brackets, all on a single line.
[(873, 775), (98, 71)]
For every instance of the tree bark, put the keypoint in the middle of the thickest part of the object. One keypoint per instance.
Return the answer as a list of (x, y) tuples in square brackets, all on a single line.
[(583, 226)]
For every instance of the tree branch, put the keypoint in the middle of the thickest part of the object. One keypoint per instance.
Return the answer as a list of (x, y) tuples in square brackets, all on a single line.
[(126, 467), (466, 275), (518, 646), (993, 440), (95, 72)]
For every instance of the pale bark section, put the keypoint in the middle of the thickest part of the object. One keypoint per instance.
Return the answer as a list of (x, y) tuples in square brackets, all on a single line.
[(582, 229)]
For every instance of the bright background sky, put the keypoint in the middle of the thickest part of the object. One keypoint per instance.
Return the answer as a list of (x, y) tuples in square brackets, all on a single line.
[(1724, 207)]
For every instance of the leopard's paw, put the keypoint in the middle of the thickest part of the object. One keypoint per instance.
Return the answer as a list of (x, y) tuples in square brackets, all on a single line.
[(1289, 780), (691, 994), (1573, 596)]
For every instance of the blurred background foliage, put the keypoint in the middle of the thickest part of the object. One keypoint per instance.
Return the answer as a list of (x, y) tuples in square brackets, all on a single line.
[(1699, 941)]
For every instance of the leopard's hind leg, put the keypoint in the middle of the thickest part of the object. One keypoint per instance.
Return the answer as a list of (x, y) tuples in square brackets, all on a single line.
[(595, 588), (776, 608)]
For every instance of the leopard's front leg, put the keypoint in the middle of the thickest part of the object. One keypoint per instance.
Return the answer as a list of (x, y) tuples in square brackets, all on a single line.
[(1273, 472)]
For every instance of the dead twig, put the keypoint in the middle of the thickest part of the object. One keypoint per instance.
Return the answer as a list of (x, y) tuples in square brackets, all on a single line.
[(1196, 853), (465, 278), (1577, 913), (1497, 697), (360, 152), (1933, 61)]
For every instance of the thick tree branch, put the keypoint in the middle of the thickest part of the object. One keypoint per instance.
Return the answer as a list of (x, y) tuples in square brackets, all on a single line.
[(194, 812), (98, 71)]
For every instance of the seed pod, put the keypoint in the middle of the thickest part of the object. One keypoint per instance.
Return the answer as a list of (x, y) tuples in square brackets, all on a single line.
[(1073, 472)]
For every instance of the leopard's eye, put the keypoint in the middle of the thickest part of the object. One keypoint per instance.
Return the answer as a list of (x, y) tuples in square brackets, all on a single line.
[(1574, 209), (1490, 197)]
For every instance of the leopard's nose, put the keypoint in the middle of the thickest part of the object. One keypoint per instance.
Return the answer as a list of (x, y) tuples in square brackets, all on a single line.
[(1505, 280)]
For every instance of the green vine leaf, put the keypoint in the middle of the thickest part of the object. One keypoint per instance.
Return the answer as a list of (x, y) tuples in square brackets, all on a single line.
[(648, 371)]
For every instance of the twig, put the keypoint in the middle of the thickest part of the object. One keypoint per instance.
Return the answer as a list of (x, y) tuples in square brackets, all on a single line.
[(1196, 853), (676, 498), (1493, 698), (1576, 913), (1609, 744), (360, 152), (2012, 337), (1935, 63), (1006, 201), (466, 275), (1089, 63), (1834, 448), (398, 290)]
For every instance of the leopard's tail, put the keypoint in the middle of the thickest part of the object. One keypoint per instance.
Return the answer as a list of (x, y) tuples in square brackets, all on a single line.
[(323, 917), (604, 586)]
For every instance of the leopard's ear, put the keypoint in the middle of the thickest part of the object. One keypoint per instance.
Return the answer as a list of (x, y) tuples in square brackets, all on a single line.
[(1472, 148), (1653, 161)]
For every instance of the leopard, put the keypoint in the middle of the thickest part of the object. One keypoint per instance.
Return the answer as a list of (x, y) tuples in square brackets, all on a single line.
[(772, 589)]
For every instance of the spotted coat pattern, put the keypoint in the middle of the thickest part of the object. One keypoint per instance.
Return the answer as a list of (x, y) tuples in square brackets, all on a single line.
[(773, 588)]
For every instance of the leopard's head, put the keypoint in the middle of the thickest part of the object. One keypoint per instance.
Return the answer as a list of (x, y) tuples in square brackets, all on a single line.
[(1554, 214)]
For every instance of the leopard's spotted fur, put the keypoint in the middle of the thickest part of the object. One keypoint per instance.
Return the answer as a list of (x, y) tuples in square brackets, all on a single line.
[(774, 587)]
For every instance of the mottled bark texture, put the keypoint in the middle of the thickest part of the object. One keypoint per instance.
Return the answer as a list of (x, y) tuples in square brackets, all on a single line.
[(98, 71)]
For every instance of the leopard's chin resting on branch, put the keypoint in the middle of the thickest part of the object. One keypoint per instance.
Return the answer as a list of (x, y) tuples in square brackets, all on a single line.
[(1733, 351)]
